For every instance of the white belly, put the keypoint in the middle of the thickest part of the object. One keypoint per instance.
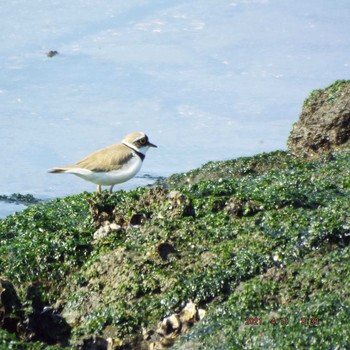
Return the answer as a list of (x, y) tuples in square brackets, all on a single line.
[(128, 171)]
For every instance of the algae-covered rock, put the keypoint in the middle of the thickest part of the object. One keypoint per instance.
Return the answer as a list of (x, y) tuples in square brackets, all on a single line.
[(263, 240), (260, 243), (324, 123)]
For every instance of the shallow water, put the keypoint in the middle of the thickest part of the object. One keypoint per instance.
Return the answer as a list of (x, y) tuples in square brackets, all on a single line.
[(206, 80)]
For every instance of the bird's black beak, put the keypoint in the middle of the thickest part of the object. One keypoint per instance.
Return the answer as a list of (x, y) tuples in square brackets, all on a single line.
[(152, 145)]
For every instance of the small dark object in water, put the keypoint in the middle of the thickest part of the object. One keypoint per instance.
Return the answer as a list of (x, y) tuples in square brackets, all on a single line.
[(52, 53)]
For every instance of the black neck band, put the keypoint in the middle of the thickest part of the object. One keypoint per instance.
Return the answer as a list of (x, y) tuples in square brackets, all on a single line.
[(141, 155)]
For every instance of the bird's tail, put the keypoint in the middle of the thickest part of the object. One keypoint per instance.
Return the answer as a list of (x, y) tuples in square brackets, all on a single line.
[(57, 170)]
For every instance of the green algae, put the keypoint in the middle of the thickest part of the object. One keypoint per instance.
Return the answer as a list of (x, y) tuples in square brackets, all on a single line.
[(257, 237), (304, 306), (45, 243), (332, 92)]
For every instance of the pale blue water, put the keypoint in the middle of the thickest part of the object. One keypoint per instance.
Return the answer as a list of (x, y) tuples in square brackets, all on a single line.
[(207, 80)]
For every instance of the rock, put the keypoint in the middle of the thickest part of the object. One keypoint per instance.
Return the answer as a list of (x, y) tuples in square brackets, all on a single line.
[(324, 123), (43, 322), (10, 306), (106, 229), (174, 325), (239, 207), (179, 205), (49, 326), (52, 53), (95, 343)]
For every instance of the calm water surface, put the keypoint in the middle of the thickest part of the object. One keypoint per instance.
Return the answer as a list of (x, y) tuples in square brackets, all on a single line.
[(206, 80)]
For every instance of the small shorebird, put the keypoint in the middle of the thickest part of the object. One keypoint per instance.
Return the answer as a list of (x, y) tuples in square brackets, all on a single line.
[(111, 165)]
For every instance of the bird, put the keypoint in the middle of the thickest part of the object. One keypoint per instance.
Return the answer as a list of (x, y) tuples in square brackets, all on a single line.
[(111, 165)]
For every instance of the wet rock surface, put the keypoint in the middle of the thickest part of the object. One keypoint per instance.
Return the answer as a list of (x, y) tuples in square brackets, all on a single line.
[(324, 123)]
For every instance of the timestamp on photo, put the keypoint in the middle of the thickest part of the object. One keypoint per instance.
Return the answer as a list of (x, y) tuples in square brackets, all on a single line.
[(253, 321), (309, 321)]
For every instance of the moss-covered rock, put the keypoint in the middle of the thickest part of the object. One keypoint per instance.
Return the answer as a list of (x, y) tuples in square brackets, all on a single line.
[(260, 243), (324, 123)]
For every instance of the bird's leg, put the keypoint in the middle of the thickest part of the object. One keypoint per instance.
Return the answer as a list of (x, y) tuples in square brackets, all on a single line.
[(111, 189), (98, 188)]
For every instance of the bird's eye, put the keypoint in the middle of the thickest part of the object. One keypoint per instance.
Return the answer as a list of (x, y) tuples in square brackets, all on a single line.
[(143, 141)]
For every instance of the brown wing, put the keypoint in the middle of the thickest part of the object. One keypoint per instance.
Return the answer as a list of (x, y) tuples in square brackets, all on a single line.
[(106, 159)]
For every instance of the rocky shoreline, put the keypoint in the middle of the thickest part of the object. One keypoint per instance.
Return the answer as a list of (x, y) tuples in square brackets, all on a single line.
[(247, 253)]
